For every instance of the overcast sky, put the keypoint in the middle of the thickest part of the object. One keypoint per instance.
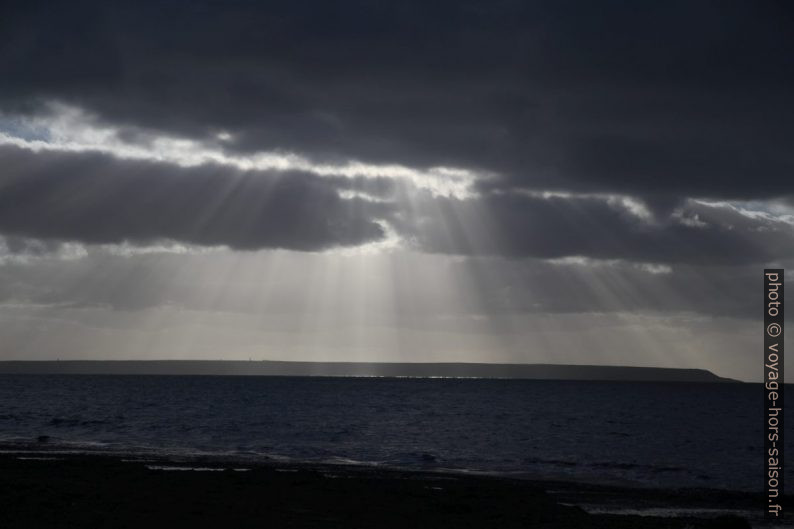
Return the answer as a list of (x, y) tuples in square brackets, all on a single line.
[(496, 181)]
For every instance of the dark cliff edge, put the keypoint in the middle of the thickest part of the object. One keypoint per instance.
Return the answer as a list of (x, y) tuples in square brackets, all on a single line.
[(373, 369)]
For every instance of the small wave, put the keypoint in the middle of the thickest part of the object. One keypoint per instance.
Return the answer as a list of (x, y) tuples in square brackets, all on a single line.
[(46, 443), (634, 466), (348, 461), (189, 469), (555, 462), (616, 465), (72, 422), (668, 512), (667, 469), (423, 459)]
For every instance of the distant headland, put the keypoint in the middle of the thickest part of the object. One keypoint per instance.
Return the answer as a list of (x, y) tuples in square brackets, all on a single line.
[(361, 369)]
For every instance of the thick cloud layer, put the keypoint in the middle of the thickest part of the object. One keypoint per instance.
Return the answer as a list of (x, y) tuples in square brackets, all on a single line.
[(96, 198), (553, 227), (663, 101)]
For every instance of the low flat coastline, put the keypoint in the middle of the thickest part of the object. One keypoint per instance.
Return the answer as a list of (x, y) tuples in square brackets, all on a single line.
[(45, 489), (360, 369)]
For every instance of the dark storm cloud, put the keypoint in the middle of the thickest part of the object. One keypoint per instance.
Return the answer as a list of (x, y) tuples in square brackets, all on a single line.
[(660, 100), (93, 198), (595, 227), (96, 198)]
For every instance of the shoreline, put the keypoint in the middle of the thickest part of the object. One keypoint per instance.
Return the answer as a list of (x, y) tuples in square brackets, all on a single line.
[(46, 447), (41, 484)]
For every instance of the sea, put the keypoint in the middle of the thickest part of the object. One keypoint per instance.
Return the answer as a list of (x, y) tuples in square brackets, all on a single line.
[(662, 435)]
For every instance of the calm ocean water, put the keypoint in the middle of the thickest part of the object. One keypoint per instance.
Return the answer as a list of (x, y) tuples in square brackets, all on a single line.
[(658, 434)]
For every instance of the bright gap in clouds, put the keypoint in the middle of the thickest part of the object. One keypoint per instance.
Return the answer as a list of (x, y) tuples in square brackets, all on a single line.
[(67, 128)]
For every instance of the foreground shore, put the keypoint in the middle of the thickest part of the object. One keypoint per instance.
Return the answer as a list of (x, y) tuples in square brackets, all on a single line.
[(100, 491)]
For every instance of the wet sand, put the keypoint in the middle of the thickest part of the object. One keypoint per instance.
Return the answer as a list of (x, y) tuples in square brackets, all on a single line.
[(85, 492)]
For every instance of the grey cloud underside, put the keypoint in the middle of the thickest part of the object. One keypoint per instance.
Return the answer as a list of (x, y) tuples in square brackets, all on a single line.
[(96, 198), (664, 101), (556, 227)]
